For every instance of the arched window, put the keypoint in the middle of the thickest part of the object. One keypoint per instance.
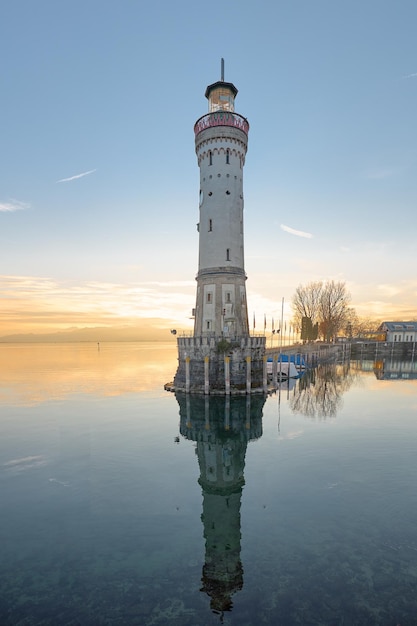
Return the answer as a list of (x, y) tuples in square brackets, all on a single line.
[(228, 254), (210, 225), (210, 157), (227, 156)]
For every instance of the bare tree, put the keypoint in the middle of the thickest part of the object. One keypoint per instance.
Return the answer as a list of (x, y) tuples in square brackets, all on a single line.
[(334, 309), (306, 302), (365, 326), (324, 303)]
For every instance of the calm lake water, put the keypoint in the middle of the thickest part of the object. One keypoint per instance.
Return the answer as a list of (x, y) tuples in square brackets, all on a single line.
[(124, 504)]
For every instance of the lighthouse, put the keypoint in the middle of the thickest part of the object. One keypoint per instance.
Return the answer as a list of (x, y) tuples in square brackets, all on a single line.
[(221, 142), (221, 356)]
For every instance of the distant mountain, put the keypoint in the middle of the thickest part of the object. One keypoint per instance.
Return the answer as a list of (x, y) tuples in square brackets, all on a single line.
[(146, 330)]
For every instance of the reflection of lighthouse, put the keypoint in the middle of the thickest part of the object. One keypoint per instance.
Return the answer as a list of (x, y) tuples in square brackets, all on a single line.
[(222, 429)]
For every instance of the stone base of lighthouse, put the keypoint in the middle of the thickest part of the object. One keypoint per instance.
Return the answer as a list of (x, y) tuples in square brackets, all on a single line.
[(219, 366)]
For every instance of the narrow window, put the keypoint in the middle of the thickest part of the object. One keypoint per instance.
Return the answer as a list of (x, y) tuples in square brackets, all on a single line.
[(210, 158), (228, 254), (208, 325), (210, 225), (209, 297), (227, 157), (228, 297)]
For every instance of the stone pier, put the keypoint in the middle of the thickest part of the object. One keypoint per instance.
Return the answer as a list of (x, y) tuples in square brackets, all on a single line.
[(221, 366)]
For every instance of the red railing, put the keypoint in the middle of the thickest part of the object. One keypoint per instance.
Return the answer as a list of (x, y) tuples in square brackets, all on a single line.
[(221, 118)]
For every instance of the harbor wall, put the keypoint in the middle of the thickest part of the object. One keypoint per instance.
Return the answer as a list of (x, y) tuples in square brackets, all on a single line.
[(211, 365)]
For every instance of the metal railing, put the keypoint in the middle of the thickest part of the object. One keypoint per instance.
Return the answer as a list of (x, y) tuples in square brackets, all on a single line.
[(221, 118)]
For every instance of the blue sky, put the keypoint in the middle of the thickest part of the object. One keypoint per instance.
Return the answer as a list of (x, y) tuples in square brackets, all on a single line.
[(99, 179)]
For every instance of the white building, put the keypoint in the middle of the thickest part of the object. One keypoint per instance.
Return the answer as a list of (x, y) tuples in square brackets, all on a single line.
[(399, 331)]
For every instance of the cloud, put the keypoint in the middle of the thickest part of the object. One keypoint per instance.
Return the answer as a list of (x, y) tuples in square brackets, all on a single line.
[(414, 75), (389, 290), (13, 205), (298, 233), (42, 304), (16, 466), (66, 180)]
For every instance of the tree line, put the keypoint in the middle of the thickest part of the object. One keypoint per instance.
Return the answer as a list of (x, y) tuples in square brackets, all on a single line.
[(321, 310)]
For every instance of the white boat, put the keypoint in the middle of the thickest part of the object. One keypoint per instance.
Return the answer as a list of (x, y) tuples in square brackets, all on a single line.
[(284, 370)]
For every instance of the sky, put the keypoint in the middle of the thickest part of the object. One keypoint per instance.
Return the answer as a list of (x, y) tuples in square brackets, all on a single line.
[(99, 180)]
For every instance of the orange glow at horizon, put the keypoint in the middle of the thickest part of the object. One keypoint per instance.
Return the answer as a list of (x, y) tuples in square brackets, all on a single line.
[(41, 305), (32, 374)]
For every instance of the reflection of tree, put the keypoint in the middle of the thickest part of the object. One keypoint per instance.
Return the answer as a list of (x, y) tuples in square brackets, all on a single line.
[(222, 428), (319, 392)]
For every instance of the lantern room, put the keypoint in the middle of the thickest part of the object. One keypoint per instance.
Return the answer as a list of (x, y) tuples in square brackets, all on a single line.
[(221, 96)]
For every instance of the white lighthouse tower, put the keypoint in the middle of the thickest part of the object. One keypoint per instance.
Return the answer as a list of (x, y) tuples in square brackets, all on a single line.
[(221, 141), (221, 356)]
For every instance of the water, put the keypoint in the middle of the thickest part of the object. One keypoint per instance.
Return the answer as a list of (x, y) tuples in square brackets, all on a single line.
[(124, 504)]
